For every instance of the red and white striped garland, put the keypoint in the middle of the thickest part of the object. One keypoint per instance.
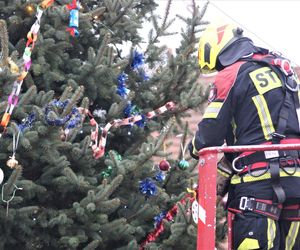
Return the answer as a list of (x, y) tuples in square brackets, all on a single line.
[(98, 147)]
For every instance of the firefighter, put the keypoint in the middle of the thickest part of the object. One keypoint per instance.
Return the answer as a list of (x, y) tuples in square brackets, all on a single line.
[(254, 100)]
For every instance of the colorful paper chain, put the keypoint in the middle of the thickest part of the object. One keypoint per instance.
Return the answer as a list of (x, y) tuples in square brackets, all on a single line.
[(74, 18), (13, 98), (98, 147)]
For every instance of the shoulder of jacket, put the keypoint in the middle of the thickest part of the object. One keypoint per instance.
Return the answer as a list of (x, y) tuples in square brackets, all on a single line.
[(225, 79)]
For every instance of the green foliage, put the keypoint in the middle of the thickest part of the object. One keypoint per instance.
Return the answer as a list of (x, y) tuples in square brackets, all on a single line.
[(61, 200)]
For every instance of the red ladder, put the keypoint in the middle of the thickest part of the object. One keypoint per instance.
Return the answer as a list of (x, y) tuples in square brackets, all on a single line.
[(207, 188)]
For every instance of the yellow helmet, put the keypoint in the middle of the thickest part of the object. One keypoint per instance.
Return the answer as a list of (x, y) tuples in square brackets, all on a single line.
[(214, 40)]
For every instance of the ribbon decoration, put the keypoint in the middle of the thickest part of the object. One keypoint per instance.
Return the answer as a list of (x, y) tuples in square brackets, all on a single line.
[(70, 121), (169, 216), (74, 18), (13, 98), (98, 147)]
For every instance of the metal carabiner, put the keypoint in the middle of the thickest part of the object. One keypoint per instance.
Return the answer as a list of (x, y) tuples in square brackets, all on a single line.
[(233, 164)]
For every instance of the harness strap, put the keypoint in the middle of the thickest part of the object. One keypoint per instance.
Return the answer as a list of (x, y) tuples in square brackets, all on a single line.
[(284, 71), (275, 180), (261, 156), (290, 214), (264, 207), (283, 118)]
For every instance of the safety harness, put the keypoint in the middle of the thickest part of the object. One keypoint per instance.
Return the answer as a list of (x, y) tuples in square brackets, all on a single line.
[(259, 206), (274, 159)]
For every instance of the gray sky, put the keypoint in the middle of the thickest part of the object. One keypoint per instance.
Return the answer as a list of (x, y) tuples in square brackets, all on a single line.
[(270, 23)]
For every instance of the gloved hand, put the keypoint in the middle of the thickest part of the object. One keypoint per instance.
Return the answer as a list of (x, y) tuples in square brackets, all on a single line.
[(191, 149), (223, 177)]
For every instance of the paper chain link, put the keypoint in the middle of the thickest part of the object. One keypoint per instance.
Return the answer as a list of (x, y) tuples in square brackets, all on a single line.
[(98, 147), (13, 98)]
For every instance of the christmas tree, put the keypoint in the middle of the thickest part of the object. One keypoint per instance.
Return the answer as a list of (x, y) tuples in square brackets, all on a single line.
[(79, 120)]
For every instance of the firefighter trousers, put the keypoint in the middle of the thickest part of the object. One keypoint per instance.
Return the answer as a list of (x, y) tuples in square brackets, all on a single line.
[(253, 231)]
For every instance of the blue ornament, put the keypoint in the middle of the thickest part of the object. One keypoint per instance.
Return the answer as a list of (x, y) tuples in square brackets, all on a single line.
[(70, 121), (122, 90), (148, 187), (122, 78), (158, 218), (27, 122), (160, 176), (137, 59), (127, 110), (74, 18), (74, 22), (183, 164), (131, 110)]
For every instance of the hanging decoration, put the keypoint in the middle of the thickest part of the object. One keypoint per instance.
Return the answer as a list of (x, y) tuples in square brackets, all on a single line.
[(122, 90), (1, 176), (13, 98), (107, 173), (74, 18), (138, 60), (98, 147), (148, 187), (169, 216), (183, 164), (29, 9), (70, 121), (133, 110), (164, 165), (12, 162), (160, 176), (158, 218), (11, 198), (27, 122)]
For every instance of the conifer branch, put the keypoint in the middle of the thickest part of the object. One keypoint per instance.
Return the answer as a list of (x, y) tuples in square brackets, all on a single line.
[(122, 13), (93, 14), (76, 96), (102, 48), (4, 44), (92, 245), (10, 186)]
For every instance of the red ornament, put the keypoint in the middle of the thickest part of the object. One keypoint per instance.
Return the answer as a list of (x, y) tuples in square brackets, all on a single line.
[(164, 165)]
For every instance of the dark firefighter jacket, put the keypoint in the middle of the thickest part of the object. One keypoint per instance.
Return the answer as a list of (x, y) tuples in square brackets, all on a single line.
[(244, 106), (243, 110)]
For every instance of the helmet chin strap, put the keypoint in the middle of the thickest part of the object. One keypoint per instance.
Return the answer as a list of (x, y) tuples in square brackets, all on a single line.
[(249, 55)]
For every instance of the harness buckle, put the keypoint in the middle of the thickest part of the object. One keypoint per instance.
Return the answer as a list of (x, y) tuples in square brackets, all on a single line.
[(291, 84), (277, 135), (246, 203), (283, 161)]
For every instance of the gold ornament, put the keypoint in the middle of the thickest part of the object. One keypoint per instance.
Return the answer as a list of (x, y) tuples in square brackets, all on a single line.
[(29, 9), (12, 162), (14, 69)]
